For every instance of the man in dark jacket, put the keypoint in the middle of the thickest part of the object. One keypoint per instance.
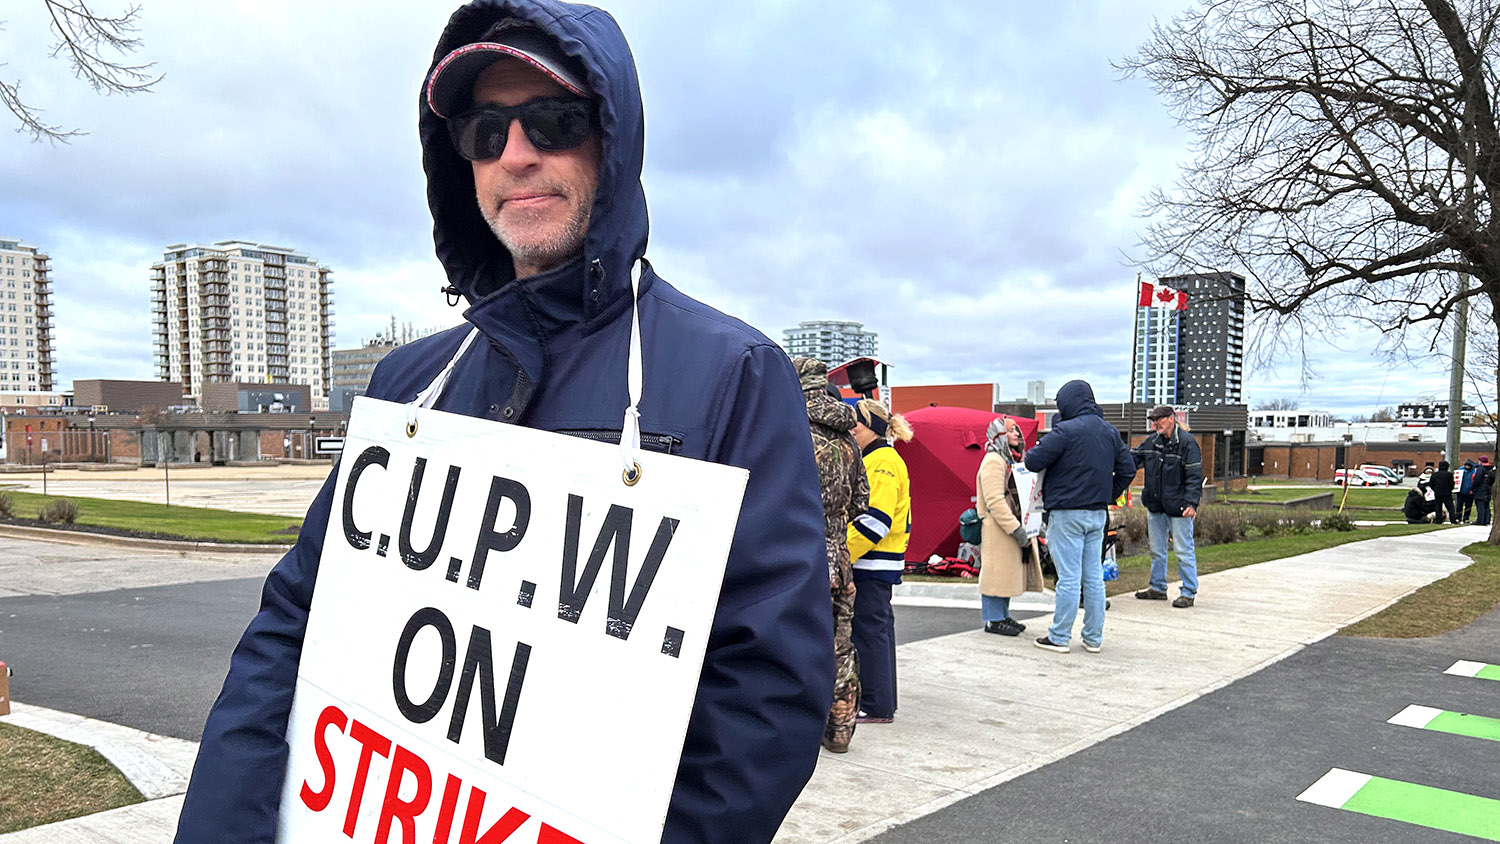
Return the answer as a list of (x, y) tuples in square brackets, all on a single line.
[(1174, 485), (533, 107), (1087, 468), (1484, 489), (1442, 488)]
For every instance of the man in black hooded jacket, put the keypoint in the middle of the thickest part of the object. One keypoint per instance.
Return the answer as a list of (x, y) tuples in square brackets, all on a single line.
[(533, 142), (1442, 488), (1087, 466)]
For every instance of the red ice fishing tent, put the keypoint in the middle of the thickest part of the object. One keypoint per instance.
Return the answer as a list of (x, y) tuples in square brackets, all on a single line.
[(942, 458)]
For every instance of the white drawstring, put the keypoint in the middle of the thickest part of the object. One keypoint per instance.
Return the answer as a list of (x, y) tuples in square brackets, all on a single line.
[(630, 429), (428, 397)]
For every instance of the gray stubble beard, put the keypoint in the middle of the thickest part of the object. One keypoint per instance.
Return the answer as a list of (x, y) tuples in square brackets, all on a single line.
[(549, 254)]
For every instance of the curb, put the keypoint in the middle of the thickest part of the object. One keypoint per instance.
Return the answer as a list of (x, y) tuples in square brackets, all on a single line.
[(962, 595), (158, 766), (72, 537)]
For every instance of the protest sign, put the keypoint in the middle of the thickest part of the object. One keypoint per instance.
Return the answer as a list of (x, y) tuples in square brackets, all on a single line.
[(504, 637), (1029, 489)]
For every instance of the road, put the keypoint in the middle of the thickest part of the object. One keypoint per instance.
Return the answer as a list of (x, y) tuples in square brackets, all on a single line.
[(1230, 766), (153, 655)]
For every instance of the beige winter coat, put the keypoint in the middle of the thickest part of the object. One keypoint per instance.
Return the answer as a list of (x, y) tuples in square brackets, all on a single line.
[(1001, 573)]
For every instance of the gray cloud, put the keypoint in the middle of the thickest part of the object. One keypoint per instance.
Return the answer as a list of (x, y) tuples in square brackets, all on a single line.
[(960, 177)]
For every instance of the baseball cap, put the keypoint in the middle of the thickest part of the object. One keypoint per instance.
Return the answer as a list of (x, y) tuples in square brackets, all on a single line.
[(1161, 411), (452, 81)]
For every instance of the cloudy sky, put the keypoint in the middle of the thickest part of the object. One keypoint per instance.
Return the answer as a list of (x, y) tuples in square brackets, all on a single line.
[(963, 178)]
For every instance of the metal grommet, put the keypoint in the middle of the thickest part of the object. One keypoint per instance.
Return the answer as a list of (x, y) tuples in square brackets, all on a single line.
[(411, 428), (632, 476)]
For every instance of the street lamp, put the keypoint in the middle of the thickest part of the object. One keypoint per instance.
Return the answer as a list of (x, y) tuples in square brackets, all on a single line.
[(91, 437)]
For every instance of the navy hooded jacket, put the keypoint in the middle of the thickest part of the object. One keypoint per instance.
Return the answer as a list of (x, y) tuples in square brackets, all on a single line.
[(1086, 462), (553, 356)]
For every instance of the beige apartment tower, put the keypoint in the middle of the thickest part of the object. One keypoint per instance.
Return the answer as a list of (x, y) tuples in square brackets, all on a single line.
[(25, 318), (242, 312)]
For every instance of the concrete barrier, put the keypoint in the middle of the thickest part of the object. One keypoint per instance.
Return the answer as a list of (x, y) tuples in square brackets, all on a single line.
[(1317, 501)]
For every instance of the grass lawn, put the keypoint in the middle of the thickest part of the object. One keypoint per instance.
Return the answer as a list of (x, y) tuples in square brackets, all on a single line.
[(1135, 571), (1444, 605), (188, 522), (44, 780)]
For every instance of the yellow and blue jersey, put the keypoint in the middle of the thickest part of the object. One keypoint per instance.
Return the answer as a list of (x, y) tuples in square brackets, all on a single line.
[(877, 537)]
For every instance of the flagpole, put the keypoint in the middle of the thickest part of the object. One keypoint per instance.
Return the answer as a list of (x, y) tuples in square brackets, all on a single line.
[(1135, 344)]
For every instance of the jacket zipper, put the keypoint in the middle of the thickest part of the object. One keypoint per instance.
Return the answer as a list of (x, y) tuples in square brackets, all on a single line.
[(665, 443)]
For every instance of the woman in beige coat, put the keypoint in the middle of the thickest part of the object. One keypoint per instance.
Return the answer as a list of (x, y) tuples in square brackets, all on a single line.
[(1008, 560)]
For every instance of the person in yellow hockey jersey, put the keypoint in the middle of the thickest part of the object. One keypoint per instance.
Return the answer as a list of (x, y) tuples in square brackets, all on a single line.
[(877, 545)]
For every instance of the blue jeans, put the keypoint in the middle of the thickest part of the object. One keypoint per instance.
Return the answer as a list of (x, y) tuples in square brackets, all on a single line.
[(994, 608), (1076, 540), (1158, 525)]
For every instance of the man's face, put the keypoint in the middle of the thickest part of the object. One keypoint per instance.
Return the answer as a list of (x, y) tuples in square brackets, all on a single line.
[(1165, 425), (536, 202)]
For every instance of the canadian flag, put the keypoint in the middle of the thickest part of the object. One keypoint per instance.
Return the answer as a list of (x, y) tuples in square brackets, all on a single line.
[(1160, 296)]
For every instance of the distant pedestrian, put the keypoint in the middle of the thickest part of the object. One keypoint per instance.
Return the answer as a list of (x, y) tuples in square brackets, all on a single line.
[(1484, 488), (1466, 491), (846, 494), (877, 545), (1008, 558), (1416, 508), (1442, 490), (1087, 466), (1174, 485)]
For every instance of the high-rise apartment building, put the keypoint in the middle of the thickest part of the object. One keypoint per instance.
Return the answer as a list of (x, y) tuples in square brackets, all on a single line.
[(25, 318), (1193, 357), (830, 341), (242, 312), (1211, 363), (1156, 333)]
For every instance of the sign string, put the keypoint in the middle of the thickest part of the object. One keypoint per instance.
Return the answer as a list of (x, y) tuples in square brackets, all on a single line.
[(630, 426)]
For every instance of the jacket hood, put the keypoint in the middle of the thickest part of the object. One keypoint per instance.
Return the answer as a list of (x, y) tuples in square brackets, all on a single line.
[(828, 411), (1075, 399), (475, 261)]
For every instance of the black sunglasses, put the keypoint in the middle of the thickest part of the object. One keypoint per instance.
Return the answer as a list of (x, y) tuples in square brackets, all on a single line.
[(552, 124)]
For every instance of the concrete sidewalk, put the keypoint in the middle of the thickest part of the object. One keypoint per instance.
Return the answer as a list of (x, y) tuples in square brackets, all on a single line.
[(976, 710)]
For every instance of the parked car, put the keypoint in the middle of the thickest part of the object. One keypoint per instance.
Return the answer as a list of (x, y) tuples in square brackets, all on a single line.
[(1394, 476), (1363, 476)]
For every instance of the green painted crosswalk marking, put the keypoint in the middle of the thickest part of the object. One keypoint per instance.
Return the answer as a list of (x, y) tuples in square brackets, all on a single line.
[(1443, 721), (1420, 805), (1483, 671)]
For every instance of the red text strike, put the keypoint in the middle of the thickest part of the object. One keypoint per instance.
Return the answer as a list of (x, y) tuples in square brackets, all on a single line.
[(396, 813)]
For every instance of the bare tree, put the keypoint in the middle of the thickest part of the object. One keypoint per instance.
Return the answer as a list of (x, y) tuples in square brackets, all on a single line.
[(1278, 404), (1347, 158), (95, 45), (1385, 414)]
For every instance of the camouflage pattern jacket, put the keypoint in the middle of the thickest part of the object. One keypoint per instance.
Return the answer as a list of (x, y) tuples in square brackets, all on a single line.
[(846, 490)]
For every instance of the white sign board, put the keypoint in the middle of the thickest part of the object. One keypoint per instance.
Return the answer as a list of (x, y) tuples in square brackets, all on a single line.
[(328, 445), (1029, 489), (504, 638)]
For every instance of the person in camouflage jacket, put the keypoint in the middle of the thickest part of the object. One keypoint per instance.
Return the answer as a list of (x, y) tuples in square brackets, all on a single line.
[(846, 494)]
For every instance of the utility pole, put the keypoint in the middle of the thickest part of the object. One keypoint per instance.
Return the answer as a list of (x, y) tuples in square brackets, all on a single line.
[(1456, 374)]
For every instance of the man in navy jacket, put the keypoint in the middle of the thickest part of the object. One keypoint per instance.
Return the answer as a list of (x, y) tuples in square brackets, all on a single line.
[(533, 108), (1087, 468), (1173, 487)]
